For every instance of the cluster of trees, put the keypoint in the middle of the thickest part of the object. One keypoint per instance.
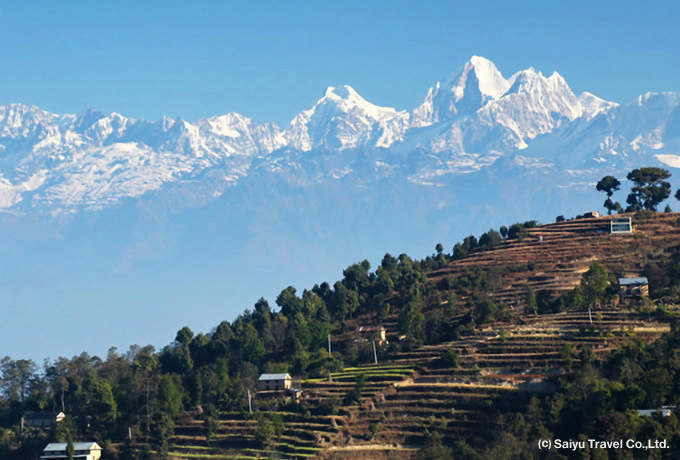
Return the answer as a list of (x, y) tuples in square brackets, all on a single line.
[(650, 188), (595, 288), (516, 231), (147, 389)]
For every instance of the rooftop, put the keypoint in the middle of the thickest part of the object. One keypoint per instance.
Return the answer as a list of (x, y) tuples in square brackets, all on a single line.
[(652, 412), (632, 281), (274, 377), (42, 415), (371, 328), (61, 446)]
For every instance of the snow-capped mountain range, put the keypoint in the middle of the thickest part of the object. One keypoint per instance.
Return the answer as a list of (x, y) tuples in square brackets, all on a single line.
[(473, 121)]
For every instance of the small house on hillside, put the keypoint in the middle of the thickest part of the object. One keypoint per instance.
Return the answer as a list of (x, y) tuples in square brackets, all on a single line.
[(274, 382), (43, 419), (664, 412), (373, 333), (82, 451), (621, 225), (633, 287)]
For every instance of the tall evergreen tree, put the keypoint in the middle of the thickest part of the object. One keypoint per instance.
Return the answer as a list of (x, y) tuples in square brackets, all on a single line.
[(593, 285), (651, 188), (170, 396), (608, 185)]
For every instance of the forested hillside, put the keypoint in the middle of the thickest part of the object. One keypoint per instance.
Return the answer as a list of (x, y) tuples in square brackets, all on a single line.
[(516, 335)]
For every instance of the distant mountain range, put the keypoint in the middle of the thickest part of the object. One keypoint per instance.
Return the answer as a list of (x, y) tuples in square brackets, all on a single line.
[(474, 121)]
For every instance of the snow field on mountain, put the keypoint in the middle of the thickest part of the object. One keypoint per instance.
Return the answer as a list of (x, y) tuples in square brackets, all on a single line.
[(466, 123)]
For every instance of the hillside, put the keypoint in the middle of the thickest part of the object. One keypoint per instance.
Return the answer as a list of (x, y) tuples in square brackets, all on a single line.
[(516, 335), (561, 252), (458, 388)]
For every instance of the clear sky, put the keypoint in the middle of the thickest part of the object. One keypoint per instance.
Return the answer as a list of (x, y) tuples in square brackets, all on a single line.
[(270, 59)]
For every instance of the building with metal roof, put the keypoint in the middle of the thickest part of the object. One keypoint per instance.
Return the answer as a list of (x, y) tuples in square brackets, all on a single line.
[(633, 287), (274, 382), (651, 412), (82, 451)]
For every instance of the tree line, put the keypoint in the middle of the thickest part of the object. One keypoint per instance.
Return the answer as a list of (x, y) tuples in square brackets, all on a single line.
[(650, 188)]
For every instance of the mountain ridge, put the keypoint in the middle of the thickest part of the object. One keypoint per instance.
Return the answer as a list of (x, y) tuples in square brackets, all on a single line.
[(57, 164)]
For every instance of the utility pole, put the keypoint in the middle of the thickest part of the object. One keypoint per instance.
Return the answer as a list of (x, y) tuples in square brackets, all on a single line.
[(329, 344), (375, 354), (148, 417)]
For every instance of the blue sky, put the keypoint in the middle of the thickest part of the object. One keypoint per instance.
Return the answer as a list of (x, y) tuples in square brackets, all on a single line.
[(268, 60)]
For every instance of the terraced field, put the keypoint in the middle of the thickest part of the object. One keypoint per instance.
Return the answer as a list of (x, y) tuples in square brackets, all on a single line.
[(235, 437), (562, 251), (413, 390)]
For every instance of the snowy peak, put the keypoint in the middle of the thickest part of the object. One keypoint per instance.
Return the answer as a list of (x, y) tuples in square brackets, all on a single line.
[(532, 92), (234, 134), (229, 125), (533, 81), (477, 83), (479, 111), (346, 100), (479, 75), (343, 119), (20, 120), (110, 128), (591, 105), (524, 81), (341, 92)]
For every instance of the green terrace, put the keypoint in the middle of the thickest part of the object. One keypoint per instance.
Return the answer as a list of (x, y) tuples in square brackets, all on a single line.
[(381, 373)]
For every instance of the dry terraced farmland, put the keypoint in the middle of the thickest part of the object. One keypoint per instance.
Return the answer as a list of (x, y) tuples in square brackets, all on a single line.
[(412, 391), (563, 251)]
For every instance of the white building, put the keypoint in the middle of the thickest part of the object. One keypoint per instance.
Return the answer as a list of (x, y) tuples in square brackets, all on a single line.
[(664, 412), (274, 382), (621, 225), (83, 451)]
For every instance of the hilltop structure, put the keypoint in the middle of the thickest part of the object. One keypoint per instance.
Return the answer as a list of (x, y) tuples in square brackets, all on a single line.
[(621, 225)]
